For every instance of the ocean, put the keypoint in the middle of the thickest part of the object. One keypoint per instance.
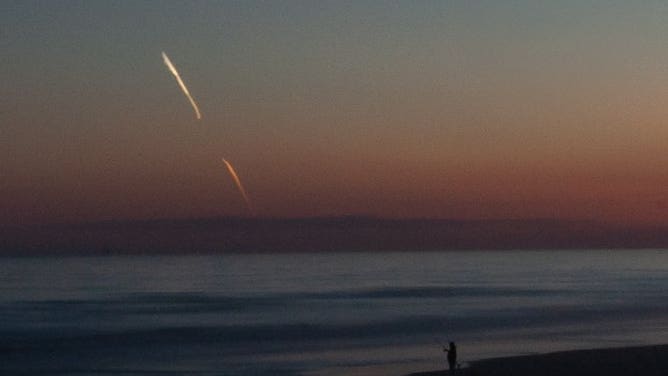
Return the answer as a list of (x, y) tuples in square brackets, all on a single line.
[(357, 313)]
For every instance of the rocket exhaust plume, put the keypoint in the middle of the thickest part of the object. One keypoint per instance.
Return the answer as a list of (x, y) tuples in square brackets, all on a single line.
[(172, 69), (235, 177)]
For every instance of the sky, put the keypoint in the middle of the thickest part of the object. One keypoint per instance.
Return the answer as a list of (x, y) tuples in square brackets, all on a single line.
[(439, 109)]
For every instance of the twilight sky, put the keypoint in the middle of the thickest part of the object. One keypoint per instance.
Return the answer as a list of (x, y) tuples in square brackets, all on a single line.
[(467, 109)]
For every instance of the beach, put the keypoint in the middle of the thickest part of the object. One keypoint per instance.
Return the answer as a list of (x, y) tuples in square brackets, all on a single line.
[(641, 360)]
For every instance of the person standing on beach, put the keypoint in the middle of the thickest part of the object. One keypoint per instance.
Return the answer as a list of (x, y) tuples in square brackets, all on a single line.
[(452, 356)]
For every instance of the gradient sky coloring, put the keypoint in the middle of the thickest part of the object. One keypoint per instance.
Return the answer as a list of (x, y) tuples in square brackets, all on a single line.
[(450, 109)]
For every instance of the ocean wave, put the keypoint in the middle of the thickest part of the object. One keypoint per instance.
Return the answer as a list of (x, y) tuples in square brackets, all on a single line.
[(198, 303), (280, 334)]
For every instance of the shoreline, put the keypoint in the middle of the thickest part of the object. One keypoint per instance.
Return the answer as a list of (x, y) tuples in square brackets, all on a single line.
[(649, 360)]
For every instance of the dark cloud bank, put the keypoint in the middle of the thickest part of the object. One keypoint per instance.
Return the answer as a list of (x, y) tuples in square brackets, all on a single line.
[(221, 235)]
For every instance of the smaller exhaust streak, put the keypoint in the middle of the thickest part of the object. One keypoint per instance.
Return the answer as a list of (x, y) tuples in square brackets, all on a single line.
[(235, 177)]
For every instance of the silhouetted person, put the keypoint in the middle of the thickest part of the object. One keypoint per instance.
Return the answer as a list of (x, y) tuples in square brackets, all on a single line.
[(452, 356)]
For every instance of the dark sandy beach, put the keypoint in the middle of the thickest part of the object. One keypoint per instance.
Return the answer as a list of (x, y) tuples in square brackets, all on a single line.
[(645, 361)]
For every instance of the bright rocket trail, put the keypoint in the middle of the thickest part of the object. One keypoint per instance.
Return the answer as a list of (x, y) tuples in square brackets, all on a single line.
[(239, 186), (172, 69)]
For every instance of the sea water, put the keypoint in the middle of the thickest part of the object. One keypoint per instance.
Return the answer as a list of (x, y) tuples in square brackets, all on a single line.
[(321, 313)]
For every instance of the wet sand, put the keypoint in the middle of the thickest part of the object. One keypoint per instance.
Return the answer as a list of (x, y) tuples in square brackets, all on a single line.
[(641, 361)]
